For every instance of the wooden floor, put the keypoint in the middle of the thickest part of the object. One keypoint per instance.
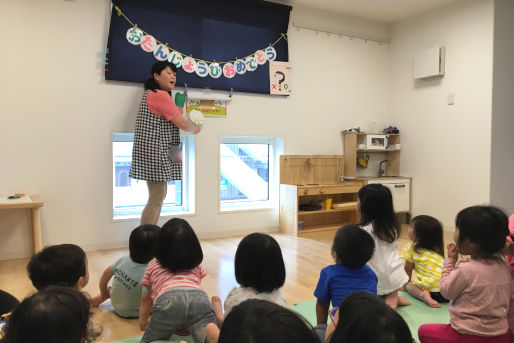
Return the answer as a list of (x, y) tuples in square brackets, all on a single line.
[(304, 257)]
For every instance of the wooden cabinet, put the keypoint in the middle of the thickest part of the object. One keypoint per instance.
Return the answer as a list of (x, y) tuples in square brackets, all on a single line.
[(361, 144), (307, 181)]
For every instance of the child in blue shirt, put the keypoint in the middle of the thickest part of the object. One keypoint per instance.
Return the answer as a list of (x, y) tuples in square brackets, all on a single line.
[(351, 249), (127, 273)]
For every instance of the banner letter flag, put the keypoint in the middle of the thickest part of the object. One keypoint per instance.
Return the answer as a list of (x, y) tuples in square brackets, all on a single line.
[(229, 71), (176, 59), (161, 52), (134, 36), (202, 69), (215, 70), (251, 63), (148, 43), (189, 64), (260, 56), (271, 53), (240, 67)]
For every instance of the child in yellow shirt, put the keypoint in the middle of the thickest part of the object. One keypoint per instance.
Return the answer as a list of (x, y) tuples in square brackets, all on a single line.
[(425, 254)]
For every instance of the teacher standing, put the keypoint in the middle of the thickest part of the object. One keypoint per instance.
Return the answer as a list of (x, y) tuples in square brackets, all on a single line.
[(156, 155)]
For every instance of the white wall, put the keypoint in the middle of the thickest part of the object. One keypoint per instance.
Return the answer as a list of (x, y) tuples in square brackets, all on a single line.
[(502, 157), (445, 148), (58, 115)]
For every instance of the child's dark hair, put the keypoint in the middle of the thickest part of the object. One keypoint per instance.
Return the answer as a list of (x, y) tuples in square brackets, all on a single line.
[(376, 207), (177, 248), (157, 68), (365, 318), (259, 263), (141, 243), (354, 246), (484, 226), (62, 264), (54, 314), (260, 321), (428, 233)]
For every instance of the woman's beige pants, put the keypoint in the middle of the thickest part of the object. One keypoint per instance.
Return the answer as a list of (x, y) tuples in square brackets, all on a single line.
[(156, 194)]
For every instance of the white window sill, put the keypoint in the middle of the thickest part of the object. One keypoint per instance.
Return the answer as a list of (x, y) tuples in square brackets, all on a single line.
[(131, 218), (247, 207)]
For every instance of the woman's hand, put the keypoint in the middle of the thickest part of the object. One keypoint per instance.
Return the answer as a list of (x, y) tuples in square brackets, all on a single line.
[(453, 251)]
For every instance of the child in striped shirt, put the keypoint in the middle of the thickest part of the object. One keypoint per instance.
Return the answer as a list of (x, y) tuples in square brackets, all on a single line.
[(172, 279)]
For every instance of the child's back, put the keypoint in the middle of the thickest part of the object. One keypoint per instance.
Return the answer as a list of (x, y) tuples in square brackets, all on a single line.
[(127, 273), (172, 279), (378, 219), (260, 270), (351, 249), (480, 288)]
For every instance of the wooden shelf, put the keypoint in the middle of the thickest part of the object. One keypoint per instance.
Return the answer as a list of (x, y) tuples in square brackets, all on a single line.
[(319, 228), (308, 213), (344, 198), (377, 150)]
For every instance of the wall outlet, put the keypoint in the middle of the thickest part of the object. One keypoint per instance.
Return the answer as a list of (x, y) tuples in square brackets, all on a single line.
[(451, 99)]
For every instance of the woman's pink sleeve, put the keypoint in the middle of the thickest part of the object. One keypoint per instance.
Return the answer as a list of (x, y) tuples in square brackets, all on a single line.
[(161, 104)]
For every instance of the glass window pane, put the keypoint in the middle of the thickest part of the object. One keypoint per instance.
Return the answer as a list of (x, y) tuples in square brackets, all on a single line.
[(244, 172), (130, 195)]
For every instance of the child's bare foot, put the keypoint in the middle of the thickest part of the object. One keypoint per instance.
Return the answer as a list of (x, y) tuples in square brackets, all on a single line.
[(218, 309), (213, 333), (428, 299), (391, 300), (402, 301)]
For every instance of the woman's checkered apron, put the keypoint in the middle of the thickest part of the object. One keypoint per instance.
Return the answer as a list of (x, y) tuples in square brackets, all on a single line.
[(156, 141)]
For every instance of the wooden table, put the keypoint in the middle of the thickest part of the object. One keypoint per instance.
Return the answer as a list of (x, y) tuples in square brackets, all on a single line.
[(32, 202)]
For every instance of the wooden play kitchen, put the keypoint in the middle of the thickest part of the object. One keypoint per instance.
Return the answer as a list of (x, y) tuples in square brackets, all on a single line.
[(375, 158), (313, 196)]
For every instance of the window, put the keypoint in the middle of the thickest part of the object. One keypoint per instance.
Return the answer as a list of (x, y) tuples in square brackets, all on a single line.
[(247, 171), (130, 195)]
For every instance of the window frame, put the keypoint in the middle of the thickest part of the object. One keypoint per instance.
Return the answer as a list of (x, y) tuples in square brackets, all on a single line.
[(188, 184), (276, 148)]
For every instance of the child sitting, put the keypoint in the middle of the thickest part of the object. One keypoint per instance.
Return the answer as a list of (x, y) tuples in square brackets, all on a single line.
[(259, 269), (425, 254), (63, 265), (54, 314), (172, 280), (375, 204), (125, 292), (351, 250), (480, 287), (365, 318), (260, 321)]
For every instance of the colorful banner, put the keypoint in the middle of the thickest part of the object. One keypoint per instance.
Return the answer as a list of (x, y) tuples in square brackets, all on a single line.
[(202, 68)]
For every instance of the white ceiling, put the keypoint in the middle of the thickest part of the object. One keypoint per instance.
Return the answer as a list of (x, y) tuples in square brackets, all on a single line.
[(379, 10)]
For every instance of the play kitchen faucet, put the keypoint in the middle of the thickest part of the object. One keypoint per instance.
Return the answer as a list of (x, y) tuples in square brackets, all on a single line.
[(382, 171)]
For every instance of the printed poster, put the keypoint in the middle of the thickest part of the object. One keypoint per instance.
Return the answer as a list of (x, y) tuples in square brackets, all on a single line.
[(279, 78), (209, 108)]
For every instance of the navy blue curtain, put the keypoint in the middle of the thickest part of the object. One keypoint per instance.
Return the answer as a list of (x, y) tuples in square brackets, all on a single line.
[(214, 29)]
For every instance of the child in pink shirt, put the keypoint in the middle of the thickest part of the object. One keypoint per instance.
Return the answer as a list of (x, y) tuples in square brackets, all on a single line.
[(480, 288)]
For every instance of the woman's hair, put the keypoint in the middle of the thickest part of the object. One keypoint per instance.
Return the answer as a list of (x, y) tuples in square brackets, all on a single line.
[(365, 318), (354, 246), (62, 264), (376, 207), (428, 234), (157, 68), (260, 321), (177, 248), (259, 263), (484, 226), (141, 242), (54, 314)]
